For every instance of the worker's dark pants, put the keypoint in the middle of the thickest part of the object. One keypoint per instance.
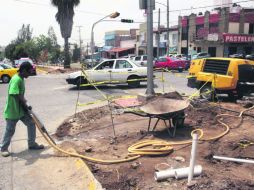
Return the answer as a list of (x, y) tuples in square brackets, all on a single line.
[(10, 129)]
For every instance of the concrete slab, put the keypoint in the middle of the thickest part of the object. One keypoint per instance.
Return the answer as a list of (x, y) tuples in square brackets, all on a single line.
[(42, 170)]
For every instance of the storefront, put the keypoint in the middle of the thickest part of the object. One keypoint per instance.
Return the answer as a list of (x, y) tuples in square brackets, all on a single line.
[(238, 44)]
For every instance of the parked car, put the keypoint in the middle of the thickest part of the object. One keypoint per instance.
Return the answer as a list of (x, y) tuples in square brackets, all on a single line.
[(237, 55), (250, 57), (7, 72), (179, 56), (141, 59), (171, 63), (17, 63), (200, 55), (111, 71), (131, 57)]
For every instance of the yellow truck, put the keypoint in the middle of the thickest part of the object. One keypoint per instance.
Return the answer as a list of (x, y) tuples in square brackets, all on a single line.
[(231, 76)]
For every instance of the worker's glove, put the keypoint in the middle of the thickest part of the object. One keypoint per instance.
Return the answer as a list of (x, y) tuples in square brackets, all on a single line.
[(27, 107)]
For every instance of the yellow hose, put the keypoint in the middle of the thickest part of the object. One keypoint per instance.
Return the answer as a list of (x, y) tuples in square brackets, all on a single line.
[(140, 149)]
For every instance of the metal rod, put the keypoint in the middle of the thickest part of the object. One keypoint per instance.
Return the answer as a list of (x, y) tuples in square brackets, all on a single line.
[(112, 119)]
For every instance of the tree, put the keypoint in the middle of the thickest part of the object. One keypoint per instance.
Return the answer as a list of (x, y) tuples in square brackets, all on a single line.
[(43, 43), (24, 34), (64, 17), (52, 36), (10, 49), (76, 53)]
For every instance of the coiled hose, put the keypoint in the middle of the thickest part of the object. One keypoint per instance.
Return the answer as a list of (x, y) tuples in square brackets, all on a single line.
[(140, 149)]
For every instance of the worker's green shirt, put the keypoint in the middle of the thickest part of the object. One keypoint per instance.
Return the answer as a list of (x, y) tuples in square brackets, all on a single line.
[(13, 108)]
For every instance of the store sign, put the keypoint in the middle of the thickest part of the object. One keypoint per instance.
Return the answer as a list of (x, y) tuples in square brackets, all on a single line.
[(238, 38), (213, 37)]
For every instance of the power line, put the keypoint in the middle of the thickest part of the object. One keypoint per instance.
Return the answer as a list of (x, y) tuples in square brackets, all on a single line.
[(47, 5), (203, 7)]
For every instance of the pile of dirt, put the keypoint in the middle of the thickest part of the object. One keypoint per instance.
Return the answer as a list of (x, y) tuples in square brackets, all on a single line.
[(93, 129), (83, 121), (62, 70)]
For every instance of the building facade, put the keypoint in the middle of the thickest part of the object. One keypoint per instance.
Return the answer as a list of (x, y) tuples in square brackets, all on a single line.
[(141, 44), (119, 43), (222, 32)]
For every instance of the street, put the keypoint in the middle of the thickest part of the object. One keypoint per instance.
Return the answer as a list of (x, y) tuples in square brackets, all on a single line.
[(54, 100)]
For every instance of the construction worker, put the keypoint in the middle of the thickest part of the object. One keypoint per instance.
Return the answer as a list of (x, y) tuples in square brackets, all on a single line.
[(16, 109)]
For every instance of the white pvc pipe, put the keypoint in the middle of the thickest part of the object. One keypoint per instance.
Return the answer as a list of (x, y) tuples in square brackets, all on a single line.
[(193, 156), (234, 159), (184, 172), (170, 173), (165, 174)]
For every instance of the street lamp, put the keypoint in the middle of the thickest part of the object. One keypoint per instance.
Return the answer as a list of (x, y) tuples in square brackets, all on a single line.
[(167, 22), (112, 15)]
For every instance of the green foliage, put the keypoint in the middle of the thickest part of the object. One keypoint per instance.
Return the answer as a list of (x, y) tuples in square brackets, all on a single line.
[(42, 48), (64, 17), (24, 34), (52, 36)]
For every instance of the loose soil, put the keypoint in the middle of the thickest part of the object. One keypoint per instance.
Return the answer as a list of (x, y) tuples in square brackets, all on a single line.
[(55, 70), (91, 133)]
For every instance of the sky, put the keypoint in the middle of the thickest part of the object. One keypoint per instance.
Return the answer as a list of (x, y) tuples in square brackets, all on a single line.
[(40, 14)]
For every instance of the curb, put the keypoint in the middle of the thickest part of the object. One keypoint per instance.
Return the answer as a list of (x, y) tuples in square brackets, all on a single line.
[(91, 182)]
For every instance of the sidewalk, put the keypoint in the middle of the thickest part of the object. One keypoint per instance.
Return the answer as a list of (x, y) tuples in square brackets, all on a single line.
[(42, 170)]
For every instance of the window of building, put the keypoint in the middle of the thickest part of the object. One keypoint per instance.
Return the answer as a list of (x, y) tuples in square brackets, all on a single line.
[(165, 37), (213, 28), (251, 28), (199, 28), (184, 33), (174, 39), (233, 28)]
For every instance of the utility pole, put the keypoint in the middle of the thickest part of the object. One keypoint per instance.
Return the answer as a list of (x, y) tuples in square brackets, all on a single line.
[(187, 36), (167, 27), (87, 46), (158, 35), (80, 44), (150, 84)]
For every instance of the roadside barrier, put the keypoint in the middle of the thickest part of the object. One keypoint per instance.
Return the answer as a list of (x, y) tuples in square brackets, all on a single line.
[(94, 84)]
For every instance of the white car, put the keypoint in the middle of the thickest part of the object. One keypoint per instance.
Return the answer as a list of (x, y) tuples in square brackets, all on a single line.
[(111, 71), (141, 59)]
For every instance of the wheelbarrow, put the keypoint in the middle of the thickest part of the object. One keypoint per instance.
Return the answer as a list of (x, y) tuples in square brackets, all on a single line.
[(165, 109)]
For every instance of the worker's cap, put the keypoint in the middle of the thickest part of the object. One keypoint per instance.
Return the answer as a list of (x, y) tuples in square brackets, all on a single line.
[(25, 66)]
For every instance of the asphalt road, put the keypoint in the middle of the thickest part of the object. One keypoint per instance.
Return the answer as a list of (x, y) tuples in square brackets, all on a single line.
[(54, 100)]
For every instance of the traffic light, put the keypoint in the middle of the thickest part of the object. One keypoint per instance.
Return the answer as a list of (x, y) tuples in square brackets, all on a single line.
[(127, 20)]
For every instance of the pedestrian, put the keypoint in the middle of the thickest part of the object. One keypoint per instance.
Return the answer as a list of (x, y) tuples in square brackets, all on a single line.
[(16, 109)]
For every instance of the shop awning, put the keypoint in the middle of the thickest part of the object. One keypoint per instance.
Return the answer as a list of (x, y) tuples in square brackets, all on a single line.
[(117, 50)]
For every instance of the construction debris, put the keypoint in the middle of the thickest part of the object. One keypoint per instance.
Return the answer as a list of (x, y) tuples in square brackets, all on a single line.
[(96, 124)]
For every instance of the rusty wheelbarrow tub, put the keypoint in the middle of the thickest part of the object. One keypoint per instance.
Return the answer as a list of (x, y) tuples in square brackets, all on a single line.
[(171, 110), (162, 106)]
